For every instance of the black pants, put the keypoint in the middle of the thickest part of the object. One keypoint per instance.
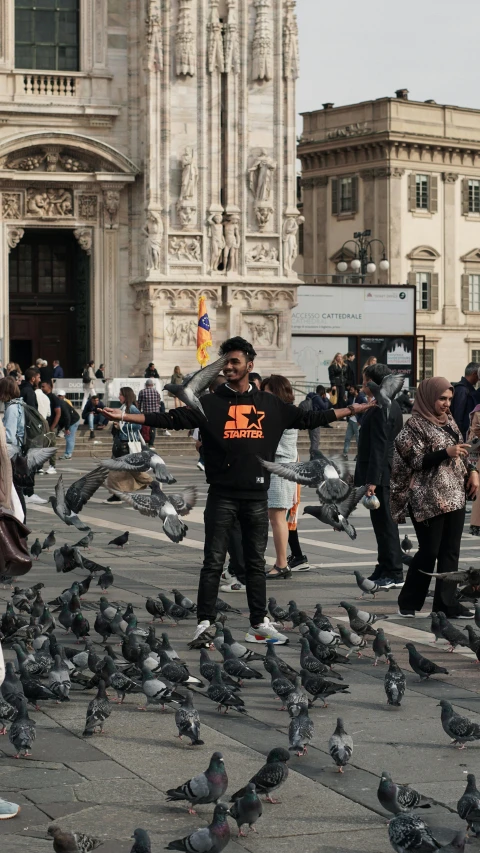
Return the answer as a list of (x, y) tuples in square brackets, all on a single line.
[(236, 564), (152, 437), (220, 514), (439, 540), (340, 404), (389, 559)]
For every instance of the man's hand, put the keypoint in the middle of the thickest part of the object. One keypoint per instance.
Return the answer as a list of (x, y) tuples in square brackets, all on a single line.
[(370, 490), (66, 432), (473, 484), (113, 414), (362, 407)]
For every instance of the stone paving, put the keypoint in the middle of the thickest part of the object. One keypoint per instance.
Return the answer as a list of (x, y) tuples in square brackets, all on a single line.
[(111, 784)]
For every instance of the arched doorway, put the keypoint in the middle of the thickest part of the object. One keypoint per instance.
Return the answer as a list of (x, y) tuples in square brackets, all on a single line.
[(49, 287)]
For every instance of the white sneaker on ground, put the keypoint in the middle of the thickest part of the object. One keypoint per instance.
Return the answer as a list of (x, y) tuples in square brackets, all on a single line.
[(265, 633), (235, 586), (51, 470), (8, 810), (34, 499), (167, 432), (201, 627), (226, 576)]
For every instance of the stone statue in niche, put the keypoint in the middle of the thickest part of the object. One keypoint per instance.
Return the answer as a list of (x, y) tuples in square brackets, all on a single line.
[(231, 233), (263, 213), (262, 329), (290, 241), (14, 235), (84, 237), (185, 248), (154, 37), (262, 253), (52, 203), (188, 188), (111, 204), (181, 331), (186, 213), (153, 231), (261, 176), (217, 241), (11, 205)]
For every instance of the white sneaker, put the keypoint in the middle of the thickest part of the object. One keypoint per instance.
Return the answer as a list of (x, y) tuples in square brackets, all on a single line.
[(200, 465), (226, 576), (51, 470), (167, 432), (8, 810), (201, 627), (265, 633), (235, 586), (34, 499)]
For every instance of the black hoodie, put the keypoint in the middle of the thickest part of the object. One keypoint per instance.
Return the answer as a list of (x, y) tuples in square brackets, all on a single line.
[(237, 430)]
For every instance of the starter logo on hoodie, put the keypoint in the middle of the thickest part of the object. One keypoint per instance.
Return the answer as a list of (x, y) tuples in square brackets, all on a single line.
[(244, 422)]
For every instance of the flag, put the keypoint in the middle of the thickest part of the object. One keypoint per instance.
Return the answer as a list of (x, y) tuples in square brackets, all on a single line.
[(204, 335)]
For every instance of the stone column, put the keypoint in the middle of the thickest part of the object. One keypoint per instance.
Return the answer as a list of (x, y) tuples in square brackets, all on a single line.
[(104, 306), (232, 68), (450, 288), (213, 93), (394, 243)]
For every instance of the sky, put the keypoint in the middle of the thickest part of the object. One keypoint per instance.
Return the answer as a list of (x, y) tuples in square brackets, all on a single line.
[(351, 51)]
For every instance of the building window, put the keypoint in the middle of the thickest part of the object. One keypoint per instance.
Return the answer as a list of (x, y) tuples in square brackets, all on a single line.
[(344, 195), (475, 356), (474, 198), (47, 34), (429, 363), (422, 281), (421, 190), (474, 292), (40, 268)]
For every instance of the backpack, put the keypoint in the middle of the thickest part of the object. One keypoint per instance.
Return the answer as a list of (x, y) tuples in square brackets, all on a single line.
[(36, 427), (86, 377), (306, 405)]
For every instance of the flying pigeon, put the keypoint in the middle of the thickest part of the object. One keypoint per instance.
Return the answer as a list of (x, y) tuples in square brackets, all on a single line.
[(31, 462), (68, 504), (423, 666), (398, 798), (207, 787), (187, 720), (269, 778), (208, 839), (121, 541), (340, 746), (324, 474), (146, 460), (394, 682), (300, 732), (193, 384), (461, 729), (247, 809), (384, 393), (168, 508), (336, 513)]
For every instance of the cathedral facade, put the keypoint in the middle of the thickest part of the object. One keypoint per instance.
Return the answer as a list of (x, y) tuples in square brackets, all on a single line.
[(147, 155)]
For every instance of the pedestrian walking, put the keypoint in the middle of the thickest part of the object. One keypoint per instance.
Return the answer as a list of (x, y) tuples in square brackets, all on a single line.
[(57, 369), (177, 379), (149, 400), (151, 371), (337, 374), (69, 422), (464, 397), (350, 372), (88, 381), (240, 425), (53, 421), (123, 434), (431, 471), (373, 469)]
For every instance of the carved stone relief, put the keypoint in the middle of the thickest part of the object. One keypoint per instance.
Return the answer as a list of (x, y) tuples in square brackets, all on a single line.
[(259, 298), (185, 43), (48, 204), (87, 206), (262, 253), (180, 330), (231, 233), (153, 231), (217, 241), (186, 205), (185, 249), (84, 237), (11, 205), (232, 49), (262, 48), (14, 235), (215, 59), (111, 204), (53, 159), (261, 329), (260, 179), (290, 242), (154, 41), (290, 42)]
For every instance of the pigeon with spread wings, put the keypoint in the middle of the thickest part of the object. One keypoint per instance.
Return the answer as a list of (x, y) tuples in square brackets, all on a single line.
[(389, 387), (33, 460), (168, 508), (195, 383), (146, 460), (336, 514), (68, 504), (324, 474)]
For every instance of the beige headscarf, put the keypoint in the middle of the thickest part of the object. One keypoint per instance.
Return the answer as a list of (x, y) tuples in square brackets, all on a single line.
[(428, 392), (5, 471)]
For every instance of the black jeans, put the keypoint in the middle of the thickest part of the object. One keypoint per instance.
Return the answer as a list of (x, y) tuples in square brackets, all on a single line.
[(152, 437), (439, 540), (340, 404), (236, 564), (220, 514), (389, 559)]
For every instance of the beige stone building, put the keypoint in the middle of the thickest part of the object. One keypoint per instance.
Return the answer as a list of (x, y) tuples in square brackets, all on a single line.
[(147, 155), (410, 172)]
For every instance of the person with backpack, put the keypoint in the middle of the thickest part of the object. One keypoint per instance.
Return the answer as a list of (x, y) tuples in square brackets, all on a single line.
[(88, 380), (15, 420)]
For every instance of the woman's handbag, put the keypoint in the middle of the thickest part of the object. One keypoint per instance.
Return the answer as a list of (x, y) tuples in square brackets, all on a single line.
[(14, 555), (133, 438)]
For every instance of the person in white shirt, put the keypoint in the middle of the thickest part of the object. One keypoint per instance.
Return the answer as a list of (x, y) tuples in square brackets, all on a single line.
[(43, 403)]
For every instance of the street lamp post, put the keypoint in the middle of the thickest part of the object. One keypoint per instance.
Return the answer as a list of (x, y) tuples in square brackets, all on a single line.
[(363, 264)]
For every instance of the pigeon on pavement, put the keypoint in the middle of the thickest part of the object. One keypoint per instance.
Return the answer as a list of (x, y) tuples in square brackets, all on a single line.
[(406, 544), (247, 809), (450, 633), (183, 601), (272, 658), (7, 714), (321, 688), (394, 682), (98, 711), (208, 839), (473, 639), (146, 460), (390, 386), (278, 613), (300, 732), (84, 542), (120, 541), (269, 778), (398, 798), (59, 680), (207, 670), (423, 666), (351, 640), (237, 668), (156, 691), (280, 684), (23, 730), (240, 651), (408, 833), (366, 586), (309, 662), (187, 720), (155, 609), (222, 694), (340, 746), (175, 611), (36, 549), (297, 700), (142, 843), (360, 620), (71, 842), (468, 806), (380, 646), (207, 787), (461, 729)]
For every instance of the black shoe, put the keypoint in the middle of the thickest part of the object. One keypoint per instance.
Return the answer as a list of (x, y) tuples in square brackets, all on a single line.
[(92, 433), (460, 612), (113, 499), (298, 564)]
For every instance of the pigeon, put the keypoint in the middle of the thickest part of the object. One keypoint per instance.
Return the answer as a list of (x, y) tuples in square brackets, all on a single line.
[(394, 682), (398, 798), (272, 658), (477, 615), (390, 386), (59, 680), (300, 732), (193, 384), (168, 508), (23, 730), (98, 711), (7, 714), (207, 787), (325, 654), (278, 614), (473, 639), (120, 682), (468, 806), (325, 474), (12, 688), (183, 601), (450, 633), (406, 544), (120, 541), (237, 668), (167, 647), (340, 746), (320, 687), (309, 662), (187, 720), (461, 729), (247, 809), (360, 620), (238, 649), (207, 670), (85, 541), (436, 628), (80, 626), (26, 465), (351, 640), (36, 549), (280, 684), (321, 621), (222, 694), (423, 666), (176, 673), (366, 586), (269, 778), (336, 514), (175, 611), (68, 504), (155, 690), (71, 842), (380, 646), (297, 700), (408, 833), (106, 579), (155, 609), (146, 460), (208, 839), (142, 842)]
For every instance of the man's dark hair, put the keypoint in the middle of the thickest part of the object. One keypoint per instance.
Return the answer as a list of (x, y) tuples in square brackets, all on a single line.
[(376, 372), (472, 367), (350, 355), (31, 372), (320, 389), (47, 382), (240, 344), (253, 376)]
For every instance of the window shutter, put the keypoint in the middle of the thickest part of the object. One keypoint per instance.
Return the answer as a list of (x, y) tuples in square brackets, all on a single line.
[(411, 278), (434, 291), (354, 195), (334, 183), (465, 292), (465, 205), (412, 192), (433, 194)]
